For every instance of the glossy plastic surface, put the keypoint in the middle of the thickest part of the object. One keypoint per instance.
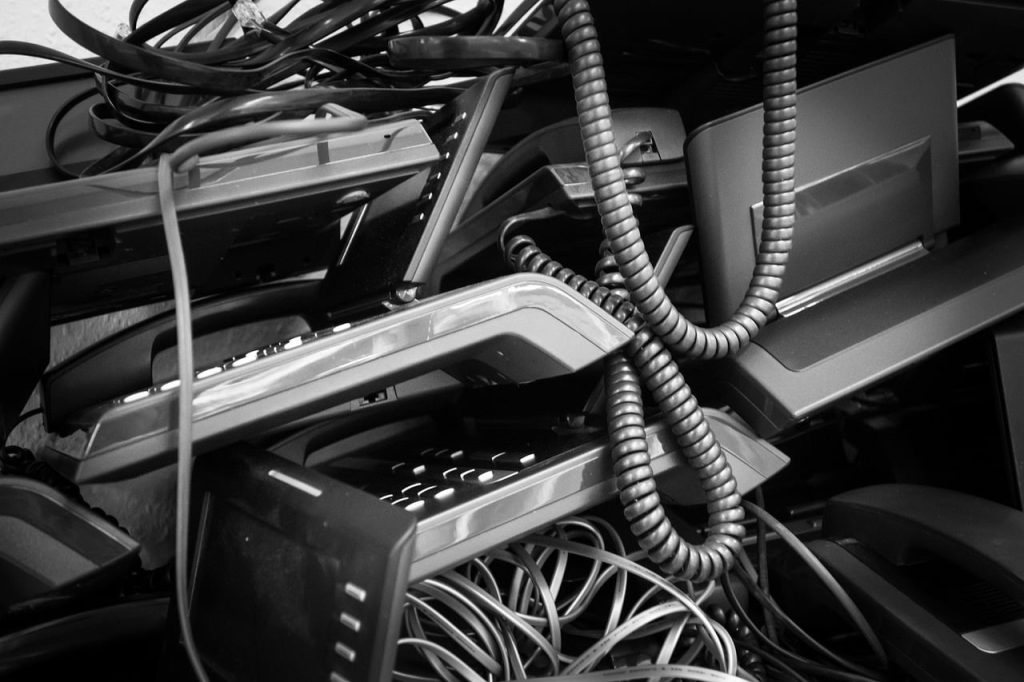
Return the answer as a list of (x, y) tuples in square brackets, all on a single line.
[(393, 149), (48, 544), (400, 238), (863, 188), (514, 329), (802, 364), (123, 363), (296, 576), (478, 519)]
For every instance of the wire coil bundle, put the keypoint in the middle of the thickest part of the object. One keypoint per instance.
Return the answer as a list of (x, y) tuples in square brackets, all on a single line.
[(560, 604), (640, 302), (206, 64)]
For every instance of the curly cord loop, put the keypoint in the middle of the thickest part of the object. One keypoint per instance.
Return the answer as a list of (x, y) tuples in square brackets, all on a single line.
[(610, 185), (626, 288), (658, 370)]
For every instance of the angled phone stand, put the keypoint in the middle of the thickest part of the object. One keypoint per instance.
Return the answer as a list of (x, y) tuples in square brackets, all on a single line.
[(941, 574), (515, 329), (380, 251)]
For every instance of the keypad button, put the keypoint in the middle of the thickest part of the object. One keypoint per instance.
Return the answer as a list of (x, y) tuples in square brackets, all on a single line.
[(346, 652)]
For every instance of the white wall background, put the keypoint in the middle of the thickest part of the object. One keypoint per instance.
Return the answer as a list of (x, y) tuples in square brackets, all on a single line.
[(29, 20)]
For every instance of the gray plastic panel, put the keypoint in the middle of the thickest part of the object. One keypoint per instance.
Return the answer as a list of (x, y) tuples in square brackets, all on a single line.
[(1008, 340), (802, 364), (237, 180), (876, 169), (459, 162), (572, 482), (515, 329), (564, 187), (51, 545), (325, 563)]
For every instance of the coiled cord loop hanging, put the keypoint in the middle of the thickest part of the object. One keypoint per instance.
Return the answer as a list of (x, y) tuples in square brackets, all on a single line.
[(626, 288), (610, 189), (658, 371)]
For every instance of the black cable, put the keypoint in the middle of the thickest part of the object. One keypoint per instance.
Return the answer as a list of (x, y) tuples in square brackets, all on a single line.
[(776, 662), (188, 33), (175, 17), (762, 563), (182, 158), (254, 107), (772, 661), (854, 613), (656, 323), (789, 624), (19, 47), (54, 125), (743, 633), (741, 612), (344, 43), (625, 413), (25, 416), (774, 653)]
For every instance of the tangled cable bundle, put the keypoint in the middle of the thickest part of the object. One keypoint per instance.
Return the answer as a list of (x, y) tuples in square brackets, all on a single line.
[(208, 64), (634, 476), (627, 289), (620, 226), (560, 604)]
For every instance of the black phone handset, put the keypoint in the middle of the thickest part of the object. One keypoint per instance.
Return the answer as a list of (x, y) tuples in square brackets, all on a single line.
[(940, 574), (906, 524), (123, 363), (560, 143)]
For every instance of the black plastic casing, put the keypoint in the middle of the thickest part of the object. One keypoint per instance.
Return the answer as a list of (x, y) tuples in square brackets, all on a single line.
[(295, 575)]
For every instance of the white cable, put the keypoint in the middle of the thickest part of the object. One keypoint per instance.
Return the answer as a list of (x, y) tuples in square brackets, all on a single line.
[(592, 656), (183, 323), (671, 670), (464, 641), (478, 606), (415, 626), (719, 648), (852, 610), (441, 652), (166, 167)]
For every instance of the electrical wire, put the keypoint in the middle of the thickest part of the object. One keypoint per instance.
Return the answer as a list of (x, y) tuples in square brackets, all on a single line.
[(788, 624), (643, 306), (762, 563), (620, 225), (852, 610), (654, 671), (158, 72), (516, 603), (50, 139), (780, 657), (742, 634), (626, 416), (183, 324), (25, 416), (780, 665), (723, 650), (450, 658), (184, 158)]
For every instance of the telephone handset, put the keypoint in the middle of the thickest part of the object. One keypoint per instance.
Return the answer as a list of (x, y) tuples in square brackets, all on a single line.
[(939, 573), (907, 524)]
